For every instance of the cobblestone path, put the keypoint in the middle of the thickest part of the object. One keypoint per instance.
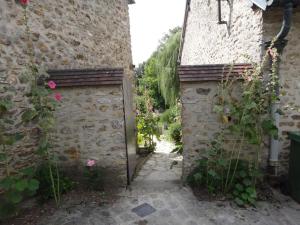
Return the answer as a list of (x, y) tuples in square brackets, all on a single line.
[(156, 197)]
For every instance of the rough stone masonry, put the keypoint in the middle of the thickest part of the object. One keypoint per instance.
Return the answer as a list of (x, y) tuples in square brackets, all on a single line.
[(72, 34), (240, 40)]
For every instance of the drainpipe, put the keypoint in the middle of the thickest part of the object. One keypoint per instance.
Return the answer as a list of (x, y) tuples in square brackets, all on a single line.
[(280, 43)]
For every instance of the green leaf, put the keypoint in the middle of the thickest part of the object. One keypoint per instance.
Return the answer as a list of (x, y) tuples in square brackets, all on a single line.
[(212, 173), (6, 183), (3, 157), (5, 105), (29, 115), (10, 139), (251, 200), (21, 185), (270, 128), (14, 197), (280, 112), (247, 182), (197, 177), (244, 196), (242, 174), (33, 184), (252, 192), (239, 187), (28, 171)]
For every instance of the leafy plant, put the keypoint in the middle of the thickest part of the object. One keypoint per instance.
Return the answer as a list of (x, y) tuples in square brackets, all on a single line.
[(171, 115), (16, 187), (16, 184), (93, 175), (247, 118), (45, 191), (214, 173), (175, 132), (147, 123), (41, 111)]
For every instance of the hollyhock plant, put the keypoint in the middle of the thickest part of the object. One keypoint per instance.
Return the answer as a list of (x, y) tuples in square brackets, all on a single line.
[(58, 97), (90, 162), (52, 84), (24, 2)]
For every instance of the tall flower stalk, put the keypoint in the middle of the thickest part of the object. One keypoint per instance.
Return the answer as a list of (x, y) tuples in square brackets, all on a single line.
[(41, 113)]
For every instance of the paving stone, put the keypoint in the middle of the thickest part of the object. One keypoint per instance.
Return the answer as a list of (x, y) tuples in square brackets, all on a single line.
[(174, 203), (143, 210)]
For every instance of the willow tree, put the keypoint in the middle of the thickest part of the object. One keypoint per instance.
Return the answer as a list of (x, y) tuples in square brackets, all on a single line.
[(158, 75), (166, 59)]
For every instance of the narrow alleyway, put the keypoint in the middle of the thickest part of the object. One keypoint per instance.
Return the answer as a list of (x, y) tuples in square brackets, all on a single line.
[(156, 197)]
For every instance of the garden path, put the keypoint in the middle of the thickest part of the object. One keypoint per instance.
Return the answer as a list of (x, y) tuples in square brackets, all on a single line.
[(157, 191)]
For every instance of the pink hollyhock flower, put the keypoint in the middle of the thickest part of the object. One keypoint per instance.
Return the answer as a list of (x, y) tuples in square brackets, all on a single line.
[(24, 2), (272, 53), (249, 78), (91, 162), (52, 84), (58, 97)]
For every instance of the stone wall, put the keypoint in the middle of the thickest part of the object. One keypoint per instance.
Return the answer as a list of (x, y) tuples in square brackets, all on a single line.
[(207, 42), (90, 125), (289, 73), (244, 34), (66, 34)]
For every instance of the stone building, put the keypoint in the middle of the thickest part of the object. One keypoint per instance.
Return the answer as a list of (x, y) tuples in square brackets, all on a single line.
[(220, 33), (86, 48)]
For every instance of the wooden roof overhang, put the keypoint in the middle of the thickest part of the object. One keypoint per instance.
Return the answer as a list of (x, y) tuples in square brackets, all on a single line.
[(86, 77), (214, 72)]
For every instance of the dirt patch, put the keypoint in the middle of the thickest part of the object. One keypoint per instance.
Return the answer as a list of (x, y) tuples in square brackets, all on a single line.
[(32, 211)]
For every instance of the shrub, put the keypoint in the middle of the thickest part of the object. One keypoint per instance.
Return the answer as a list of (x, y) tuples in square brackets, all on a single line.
[(175, 132), (16, 188), (223, 174)]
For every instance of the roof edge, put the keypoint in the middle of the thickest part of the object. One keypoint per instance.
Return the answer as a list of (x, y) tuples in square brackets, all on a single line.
[(186, 15)]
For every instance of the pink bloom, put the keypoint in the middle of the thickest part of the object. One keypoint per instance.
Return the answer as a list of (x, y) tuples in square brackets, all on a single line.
[(58, 97), (91, 162), (249, 78), (272, 53), (52, 84), (24, 2)]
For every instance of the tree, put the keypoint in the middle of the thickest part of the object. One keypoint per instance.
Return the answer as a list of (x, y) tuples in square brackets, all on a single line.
[(159, 75)]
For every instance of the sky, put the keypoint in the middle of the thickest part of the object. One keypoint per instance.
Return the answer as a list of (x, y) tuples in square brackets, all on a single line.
[(149, 21)]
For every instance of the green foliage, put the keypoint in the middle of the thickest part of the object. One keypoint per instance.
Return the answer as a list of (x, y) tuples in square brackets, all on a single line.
[(45, 191), (94, 178), (172, 118), (147, 122), (147, 125), (148, 81), (246, 117), (175, 132), (158, 75), (166, 67), (178, 149), (214, 171), (41, 111), (16, 187), (171, 115)]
